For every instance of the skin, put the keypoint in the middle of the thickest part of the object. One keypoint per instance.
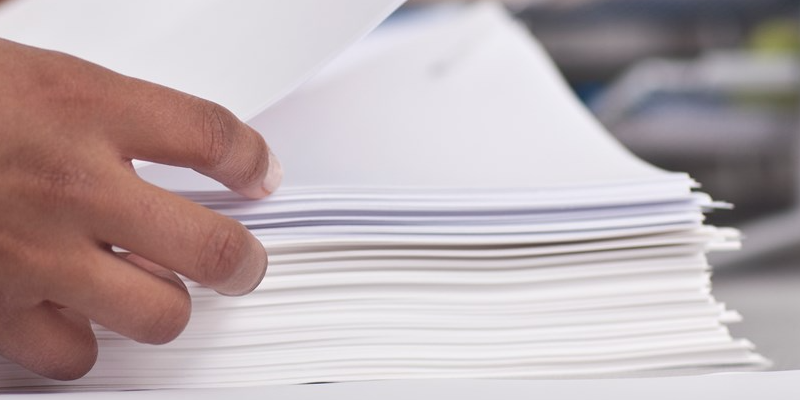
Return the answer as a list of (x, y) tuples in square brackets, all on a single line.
[(68, 132)]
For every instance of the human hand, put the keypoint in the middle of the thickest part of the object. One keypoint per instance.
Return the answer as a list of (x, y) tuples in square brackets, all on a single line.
[(68, 192)]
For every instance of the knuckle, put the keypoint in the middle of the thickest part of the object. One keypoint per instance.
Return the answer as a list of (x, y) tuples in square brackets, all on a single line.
[(61, 182), (222, 254), (55, 90), (218, 127), (69, 82), (168, 319)]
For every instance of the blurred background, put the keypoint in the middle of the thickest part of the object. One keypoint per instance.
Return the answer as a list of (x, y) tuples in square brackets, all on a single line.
[(708, 87), (712, 88)]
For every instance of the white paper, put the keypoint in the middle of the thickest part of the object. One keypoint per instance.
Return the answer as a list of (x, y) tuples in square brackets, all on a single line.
[(472, 103), (243, 54), (449, 210)]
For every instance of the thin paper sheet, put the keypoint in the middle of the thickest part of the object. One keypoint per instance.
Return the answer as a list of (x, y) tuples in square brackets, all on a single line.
[(243, 54), (468, 103)]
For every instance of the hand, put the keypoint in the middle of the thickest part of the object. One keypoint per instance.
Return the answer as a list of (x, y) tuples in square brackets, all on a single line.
[(68, 131)]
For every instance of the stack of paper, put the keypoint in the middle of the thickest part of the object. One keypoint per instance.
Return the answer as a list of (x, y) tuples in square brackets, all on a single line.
[(449, 210)]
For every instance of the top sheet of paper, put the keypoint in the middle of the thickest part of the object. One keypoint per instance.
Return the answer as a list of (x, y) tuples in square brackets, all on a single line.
[(465, 100), (189, 44)]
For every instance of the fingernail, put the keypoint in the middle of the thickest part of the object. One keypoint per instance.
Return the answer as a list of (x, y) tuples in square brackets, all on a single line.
[(263, 274), (263, 263), (250, 274), (274, 174)]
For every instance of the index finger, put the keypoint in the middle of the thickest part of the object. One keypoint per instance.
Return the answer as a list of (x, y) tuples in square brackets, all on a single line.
[(170, 127)]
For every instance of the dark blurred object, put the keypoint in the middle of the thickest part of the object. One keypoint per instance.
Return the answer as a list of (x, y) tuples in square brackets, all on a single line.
[(708, 87), (727, 117), (594, 41)]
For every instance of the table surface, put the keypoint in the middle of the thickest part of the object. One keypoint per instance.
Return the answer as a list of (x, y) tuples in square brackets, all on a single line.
[(740, 386), (767, 294)]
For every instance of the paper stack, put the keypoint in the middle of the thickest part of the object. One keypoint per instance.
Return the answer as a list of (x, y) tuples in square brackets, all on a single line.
[(450, 210)]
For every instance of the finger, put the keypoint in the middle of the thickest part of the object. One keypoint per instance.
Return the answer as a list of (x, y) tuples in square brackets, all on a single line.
[(124, 298), (180, 235), (57, 344), (166, 126)]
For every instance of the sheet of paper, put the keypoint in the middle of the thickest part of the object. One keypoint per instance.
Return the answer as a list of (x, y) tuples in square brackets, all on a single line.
[(472, 103), (189, 44)]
